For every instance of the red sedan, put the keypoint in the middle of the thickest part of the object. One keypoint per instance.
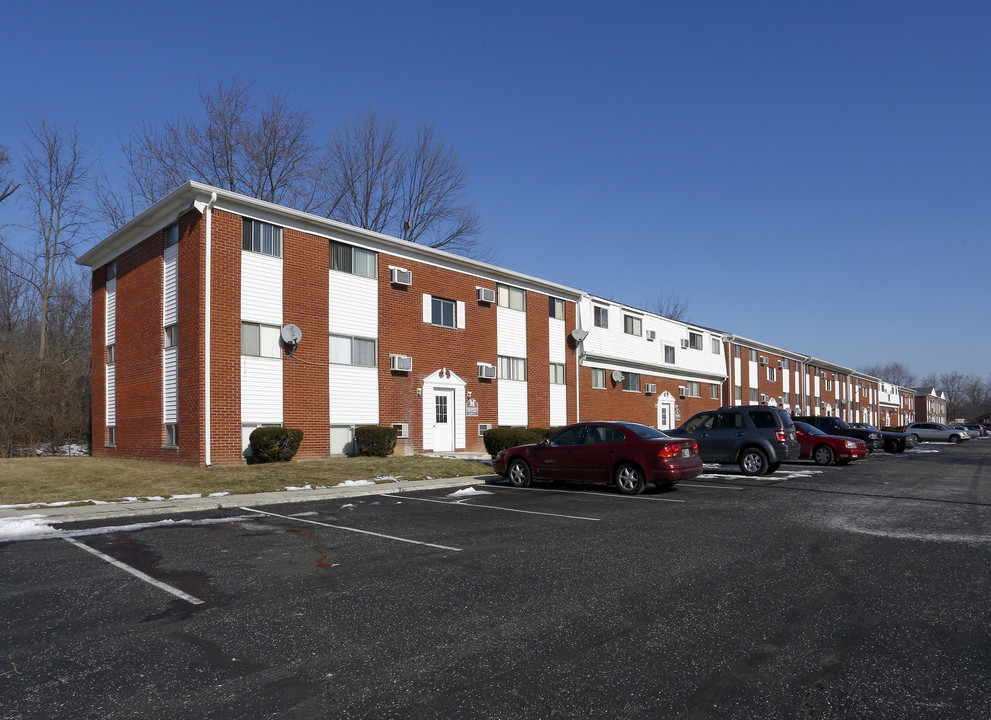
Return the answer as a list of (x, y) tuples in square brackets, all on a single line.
[(625, 453), (826, 449)]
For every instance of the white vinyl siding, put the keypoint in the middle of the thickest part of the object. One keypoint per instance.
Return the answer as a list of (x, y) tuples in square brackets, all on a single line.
[(170, 286), (261, 390), (559, 405), (353, 306), (111, 339), (354, 390), (170, 385), (261, 288), (111, 312), (511, 342), (261, 306), (111, 394), (354, 394)]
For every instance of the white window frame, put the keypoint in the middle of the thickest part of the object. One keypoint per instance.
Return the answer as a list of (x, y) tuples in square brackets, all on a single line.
[(631, 382), (556, 308), (171, 435), (693, 389), (171, 334), (632, 325), (598, 378), (253, 240), (511, 297), (353, 342), (558, 376), (512, 368), (673, 354), (694, 340), (271, 333), (440, 304), (600, 316), (352, 263)]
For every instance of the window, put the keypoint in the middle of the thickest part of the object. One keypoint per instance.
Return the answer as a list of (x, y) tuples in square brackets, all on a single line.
[(511, 297), (556, 308), (716, 346), (786, 399), (111, 270), (784, 364), (172, 436), (557, 373), (763, 418), (829, 385), (736, 351), (632, 325), (599, 378), (600, 316), (511, 368), (350, 259), (669, 354), (602, 434), (772, 373), (172, 235), (346, 350), (440, 408), (753, 396), (111, 354), (441, 312), (693, 388), (260, 340), (695, 340), (713, 392), (753, 355), (738, 394), (111, 436), (260, 237), (631, 381), (171, 335)]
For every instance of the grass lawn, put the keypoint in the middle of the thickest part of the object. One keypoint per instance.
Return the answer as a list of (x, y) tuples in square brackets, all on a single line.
[(57, 479)]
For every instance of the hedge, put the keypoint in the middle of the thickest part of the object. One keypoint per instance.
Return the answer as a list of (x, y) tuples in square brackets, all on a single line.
[(274, 444), (375, 441)]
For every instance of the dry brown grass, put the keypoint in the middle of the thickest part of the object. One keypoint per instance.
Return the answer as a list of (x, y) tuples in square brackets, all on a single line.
[(53, 479)]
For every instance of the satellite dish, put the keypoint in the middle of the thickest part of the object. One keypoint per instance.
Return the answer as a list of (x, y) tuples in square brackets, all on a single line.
[(291, 334), (578, 334), (617, 376)]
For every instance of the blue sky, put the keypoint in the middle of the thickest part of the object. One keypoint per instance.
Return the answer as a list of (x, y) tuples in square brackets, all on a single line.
[(813, 175)]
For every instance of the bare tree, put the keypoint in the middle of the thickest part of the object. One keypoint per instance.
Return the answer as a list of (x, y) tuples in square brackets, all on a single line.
[(670, 305), (894, 372), (7, 184), (56, 173)]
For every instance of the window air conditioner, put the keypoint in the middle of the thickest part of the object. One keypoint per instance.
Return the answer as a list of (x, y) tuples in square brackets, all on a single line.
[(486, 371), (482, 427), (650, 388), (682, 391), (763, 359), (763, 398), (400, 276), (402, 429), (684, 343), (485, 295), (402, 363), (781, 363), (651, 334)]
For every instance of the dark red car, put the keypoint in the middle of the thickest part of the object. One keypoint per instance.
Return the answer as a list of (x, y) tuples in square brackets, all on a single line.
[(826, 449), (625, 453)]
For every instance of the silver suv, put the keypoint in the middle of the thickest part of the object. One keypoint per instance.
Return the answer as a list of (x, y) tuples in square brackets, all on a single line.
[(756, 437), (936, 431)]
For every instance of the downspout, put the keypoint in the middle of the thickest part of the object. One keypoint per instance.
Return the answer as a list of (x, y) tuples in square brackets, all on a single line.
[(208, 445)]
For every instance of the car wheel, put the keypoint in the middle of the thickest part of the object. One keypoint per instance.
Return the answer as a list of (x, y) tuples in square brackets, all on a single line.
[(955, 439), (629, 479), (773, 467), (915, 439), (753, 462), (519, 473), (823, 455)]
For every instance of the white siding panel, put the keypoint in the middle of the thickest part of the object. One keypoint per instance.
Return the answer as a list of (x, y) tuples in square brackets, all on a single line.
[(354, 306), (513, 403), (353, 395), (510, 332), (111, 395), (261, 390), (170, 385), (559, 405), (111, 314), (261, 288), (557, 340), (170, 286)]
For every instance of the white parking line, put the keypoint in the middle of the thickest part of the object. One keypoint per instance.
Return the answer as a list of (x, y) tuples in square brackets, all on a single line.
[(135, 572), (493, 507), (597, 494), (350, 529), (713, 487)]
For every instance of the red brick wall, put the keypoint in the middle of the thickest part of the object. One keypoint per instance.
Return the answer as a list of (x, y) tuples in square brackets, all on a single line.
[(614, 403), (98, 360), (191, 313), (306, 386)]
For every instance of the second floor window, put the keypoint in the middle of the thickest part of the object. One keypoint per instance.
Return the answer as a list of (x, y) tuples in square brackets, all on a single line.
[(632, 325), (511, 368), (354, 260), (171, 335), (600, 316), (631, 381), (556, 308), (669, 354), (260, 237), (442, 312), (557, 373), (345, 350), (259, 340), (511, 297), (695, 340), (598, 378)]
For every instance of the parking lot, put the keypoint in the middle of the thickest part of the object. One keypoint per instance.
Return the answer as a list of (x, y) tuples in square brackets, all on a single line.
[(854, 592)]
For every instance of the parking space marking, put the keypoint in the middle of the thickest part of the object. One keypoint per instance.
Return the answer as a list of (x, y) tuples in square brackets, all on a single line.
[(713, 487), (135, 572), (597, 494), (494, 507), (350, 529)]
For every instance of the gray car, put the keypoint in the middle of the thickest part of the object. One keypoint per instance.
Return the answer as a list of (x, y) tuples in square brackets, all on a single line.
[(756, 437), (937, 432)]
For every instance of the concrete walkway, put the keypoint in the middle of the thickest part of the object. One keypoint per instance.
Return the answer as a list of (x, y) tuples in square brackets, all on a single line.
[(84, 513)]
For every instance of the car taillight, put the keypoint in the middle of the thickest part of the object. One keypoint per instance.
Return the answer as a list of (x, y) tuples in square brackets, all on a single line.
[(671, 450), (781, 436)]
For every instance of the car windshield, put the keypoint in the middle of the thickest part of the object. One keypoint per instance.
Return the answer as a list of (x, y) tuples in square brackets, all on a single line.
[(643, 431), (809, 429)]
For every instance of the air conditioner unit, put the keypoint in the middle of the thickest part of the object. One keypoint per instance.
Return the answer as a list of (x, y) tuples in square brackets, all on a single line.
[(482, 427), (400, 276), (650, 388), (763, 398), (823, 374), (402, 363), (486, 371), (651, 335), (684, 343), (682, 391), (781, 363), (485, 295), (402, 428), (763, 360)]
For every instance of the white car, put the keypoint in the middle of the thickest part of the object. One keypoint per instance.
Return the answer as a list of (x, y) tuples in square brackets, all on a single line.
[(936, 431)]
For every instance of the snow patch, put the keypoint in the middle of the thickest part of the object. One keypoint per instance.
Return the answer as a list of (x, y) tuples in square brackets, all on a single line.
[(33, 527), (468, 492)]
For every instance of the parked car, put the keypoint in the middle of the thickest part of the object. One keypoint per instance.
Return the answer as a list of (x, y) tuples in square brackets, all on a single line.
[(965, 429), (756, 437), (625, 453), (838, 426), (894, 442), (936, 431), (977, 431), (825, 449)]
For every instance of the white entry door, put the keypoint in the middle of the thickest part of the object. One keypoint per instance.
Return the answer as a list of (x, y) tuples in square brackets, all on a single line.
[(665, 415), (443, 420)]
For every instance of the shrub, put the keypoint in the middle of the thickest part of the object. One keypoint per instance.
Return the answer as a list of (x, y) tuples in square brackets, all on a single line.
[(375, 441), (498, 439), (274, 444)]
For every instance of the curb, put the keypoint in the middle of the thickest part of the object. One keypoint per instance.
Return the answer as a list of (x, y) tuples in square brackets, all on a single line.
[(85, 513)]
